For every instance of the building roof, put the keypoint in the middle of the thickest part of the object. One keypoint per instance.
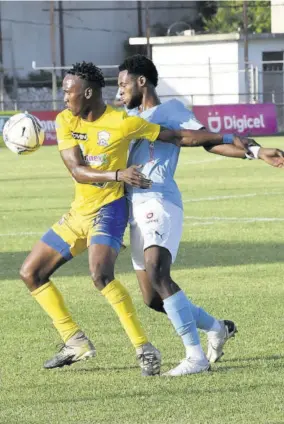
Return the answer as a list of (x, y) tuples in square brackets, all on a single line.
[(202, 38)]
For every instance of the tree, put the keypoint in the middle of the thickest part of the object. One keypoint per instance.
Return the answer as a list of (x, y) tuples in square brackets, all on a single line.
[(229, 17)]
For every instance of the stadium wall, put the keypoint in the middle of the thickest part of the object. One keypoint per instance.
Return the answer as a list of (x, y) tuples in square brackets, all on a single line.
[(93, 30)]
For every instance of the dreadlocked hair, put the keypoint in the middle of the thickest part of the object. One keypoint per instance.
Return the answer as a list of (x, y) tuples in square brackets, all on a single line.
[(88, 72), (141, 65)]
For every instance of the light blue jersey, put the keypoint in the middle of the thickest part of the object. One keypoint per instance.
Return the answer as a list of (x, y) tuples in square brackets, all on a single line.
[(160, 159)]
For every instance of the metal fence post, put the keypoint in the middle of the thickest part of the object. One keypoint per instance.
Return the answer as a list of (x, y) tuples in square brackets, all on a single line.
[(210, 82), (54, 90)]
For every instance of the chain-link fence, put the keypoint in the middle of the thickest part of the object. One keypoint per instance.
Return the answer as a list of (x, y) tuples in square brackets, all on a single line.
[(265, 86)]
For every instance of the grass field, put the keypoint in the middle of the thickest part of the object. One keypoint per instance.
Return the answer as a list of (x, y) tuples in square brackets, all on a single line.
[(230, 262)]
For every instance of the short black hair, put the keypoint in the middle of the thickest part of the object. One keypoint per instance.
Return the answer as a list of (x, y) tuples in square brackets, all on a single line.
[(140, 65), (88, 72)]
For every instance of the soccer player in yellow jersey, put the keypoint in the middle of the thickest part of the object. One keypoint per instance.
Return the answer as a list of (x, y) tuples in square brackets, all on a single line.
[(93, 140)]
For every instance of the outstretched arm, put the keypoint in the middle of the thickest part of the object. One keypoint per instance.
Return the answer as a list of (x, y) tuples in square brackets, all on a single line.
[(250, 149), (190, 138)]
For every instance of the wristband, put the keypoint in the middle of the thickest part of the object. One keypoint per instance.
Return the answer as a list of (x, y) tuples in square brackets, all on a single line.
[(116, 175), (228, 138)]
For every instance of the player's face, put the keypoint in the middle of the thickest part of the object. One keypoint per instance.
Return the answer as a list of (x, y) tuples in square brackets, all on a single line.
[(130, 91), (74, 94)]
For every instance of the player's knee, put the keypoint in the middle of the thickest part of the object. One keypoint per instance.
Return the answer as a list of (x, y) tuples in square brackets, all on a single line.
[(31, 276), (101, 276)]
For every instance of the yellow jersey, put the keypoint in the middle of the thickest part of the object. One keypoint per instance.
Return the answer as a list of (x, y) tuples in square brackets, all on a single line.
[(104, 145)]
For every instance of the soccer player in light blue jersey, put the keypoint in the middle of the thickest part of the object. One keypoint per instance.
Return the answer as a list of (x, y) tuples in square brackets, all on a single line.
[(156, 215)]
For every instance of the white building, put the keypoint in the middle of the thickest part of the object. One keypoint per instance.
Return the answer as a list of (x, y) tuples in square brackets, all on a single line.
[(91, 30), (277, 16), (210, 69)]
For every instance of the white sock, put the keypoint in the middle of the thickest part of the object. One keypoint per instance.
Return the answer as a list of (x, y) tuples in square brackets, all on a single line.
[(195, 352)]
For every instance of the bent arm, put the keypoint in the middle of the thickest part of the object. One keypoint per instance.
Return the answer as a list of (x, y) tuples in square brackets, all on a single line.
[(82, 173)]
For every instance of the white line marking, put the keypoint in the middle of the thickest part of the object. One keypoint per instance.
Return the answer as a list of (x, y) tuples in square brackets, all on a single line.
[(233, 196), (213, 220), (217, 218), (20, 234), (199, 224)]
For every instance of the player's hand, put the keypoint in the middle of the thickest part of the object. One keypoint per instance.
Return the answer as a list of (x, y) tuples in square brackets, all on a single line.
[(273, 157), (134, 177)]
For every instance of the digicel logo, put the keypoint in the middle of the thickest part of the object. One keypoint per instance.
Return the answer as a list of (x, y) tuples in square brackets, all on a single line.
[(232, 122)]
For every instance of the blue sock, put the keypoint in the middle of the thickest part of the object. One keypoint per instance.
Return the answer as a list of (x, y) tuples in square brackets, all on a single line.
[(203, 320), (178, 309)]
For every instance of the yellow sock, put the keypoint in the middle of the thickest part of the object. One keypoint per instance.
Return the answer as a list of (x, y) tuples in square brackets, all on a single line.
[(119, 298), (51, 301)]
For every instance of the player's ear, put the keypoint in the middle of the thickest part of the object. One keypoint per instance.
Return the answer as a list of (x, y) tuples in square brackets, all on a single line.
[(141, 81), (88, 93)]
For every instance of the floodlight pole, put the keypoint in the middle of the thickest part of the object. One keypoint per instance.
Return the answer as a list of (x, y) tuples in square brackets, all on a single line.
[(53, 56), (148, 30), (1, 66), (246, 49)]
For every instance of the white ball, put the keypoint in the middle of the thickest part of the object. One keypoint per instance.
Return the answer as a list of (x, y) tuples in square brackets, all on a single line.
[(23, 133)]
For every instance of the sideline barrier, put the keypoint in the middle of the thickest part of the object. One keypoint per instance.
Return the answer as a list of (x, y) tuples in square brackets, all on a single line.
[(47, 119), (4, 116), (241, 119)]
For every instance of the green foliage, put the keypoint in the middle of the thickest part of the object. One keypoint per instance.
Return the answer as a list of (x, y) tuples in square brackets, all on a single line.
[(229, 17), (205, 10)]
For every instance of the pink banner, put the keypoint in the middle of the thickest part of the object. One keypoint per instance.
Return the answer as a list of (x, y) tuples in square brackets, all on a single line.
[(47, 119), (247, 119)]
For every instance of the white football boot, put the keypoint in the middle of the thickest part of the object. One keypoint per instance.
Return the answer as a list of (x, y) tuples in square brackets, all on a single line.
[(217, 340), (188, 366)]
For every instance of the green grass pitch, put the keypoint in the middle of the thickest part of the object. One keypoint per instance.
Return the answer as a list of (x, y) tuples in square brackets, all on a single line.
[(230, 262)]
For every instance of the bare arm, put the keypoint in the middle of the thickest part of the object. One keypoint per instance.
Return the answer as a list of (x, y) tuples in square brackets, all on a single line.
[(228, 150), (273, 157), (84, 174), (190, 138), (227, 145)]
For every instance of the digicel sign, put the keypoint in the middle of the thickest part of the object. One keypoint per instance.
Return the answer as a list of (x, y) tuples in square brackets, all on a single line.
[(47, 119), (243, 119)]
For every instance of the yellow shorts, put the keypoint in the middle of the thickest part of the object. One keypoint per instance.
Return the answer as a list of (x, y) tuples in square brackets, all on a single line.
[(73, 233)]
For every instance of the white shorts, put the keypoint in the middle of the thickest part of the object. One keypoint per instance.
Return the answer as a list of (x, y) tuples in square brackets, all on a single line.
[(155, 222)]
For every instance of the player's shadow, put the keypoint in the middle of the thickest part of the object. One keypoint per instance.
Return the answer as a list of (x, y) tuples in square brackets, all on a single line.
[(191, 255)]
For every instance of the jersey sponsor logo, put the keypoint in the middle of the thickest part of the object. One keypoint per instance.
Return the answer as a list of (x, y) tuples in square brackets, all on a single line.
[(103, 138), (96, 160), (80, 136), (150, 218)]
